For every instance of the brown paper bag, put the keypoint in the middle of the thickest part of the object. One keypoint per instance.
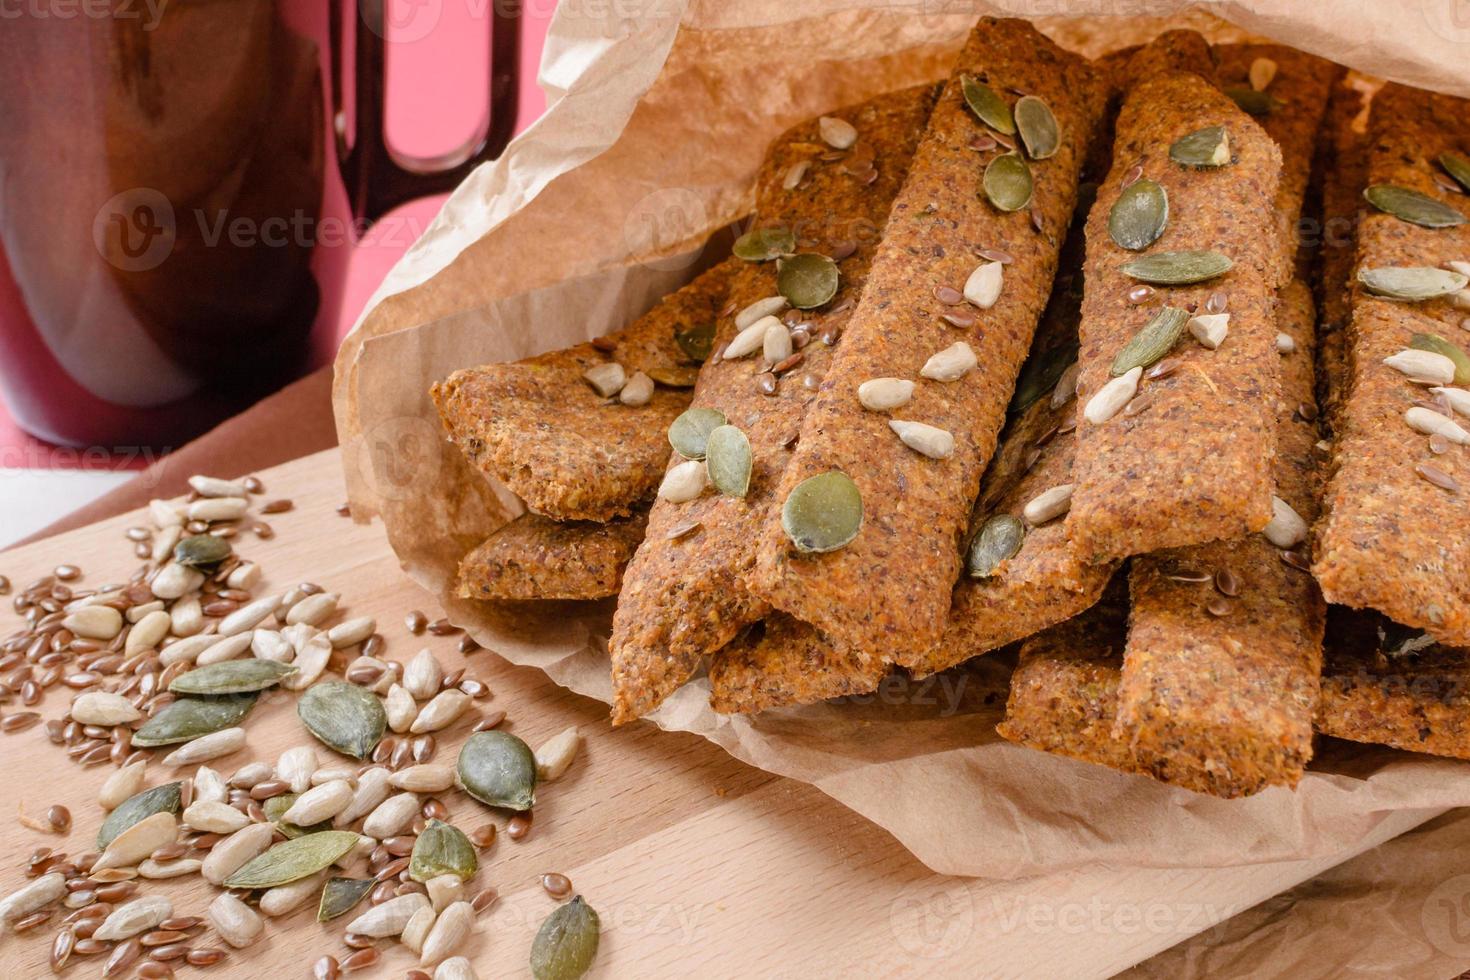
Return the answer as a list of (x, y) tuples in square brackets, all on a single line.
[(658, 120)]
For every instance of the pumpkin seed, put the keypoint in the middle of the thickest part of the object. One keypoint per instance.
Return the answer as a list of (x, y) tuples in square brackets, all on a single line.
[(696, 342), (1252, 102), (190, 718), (202, 551), (823, 512), (1007, 182), (232, 677), (807, 280), (988, 107), (442, 849), (728, 460), (1457, 167), (138, 807), (1152, 342), (1413, 207), (343, 717), (1177, 268), (1037, 126), (1139, 215), (293, 860), (1411, 283), (275, 808), (1437, 344), (673, 376), (566, 944), (764, 244), (999, 538), (498, 769), (689, 433), (1208, 147), (342, 895)]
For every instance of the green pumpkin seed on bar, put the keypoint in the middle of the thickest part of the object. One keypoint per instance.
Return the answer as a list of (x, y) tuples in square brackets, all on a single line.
[(764, 244), (341, 895), (1413, 207), (728, 460), (275, 808), (1139, 215), (689, 433), (1037, 126), (202, 551), (566, 944), (442, 849), (1252, 102), (696, 342), (1007, 182), (498, 769), (1156, 338), (1457, 166), (1439, 345), (344, 717), (189, 718), (232, 677), (138, 807), (807, 280), (1208, 147), (673, 376), (988, 107), (1177, 268), (823, 512), (999, 538), (293, 860), (1411, 283)]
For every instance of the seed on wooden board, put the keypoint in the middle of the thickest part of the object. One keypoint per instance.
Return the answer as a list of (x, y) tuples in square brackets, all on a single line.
[(18, 721), (319, 803), (423, 675), (175, 581), (137, 916), (950, 364), (442, 849), (352, 632), (212, 746), (294, 859), (237, 923), (555, 755), (558, 886), (124, 955), (104, 708), (286, 898), (566, 944), (46, 889), (415, 622), (157, 870), (344, 717), (388, 919), (233, 852), (94, 622), (137, 841), (391, 816), (372, 789), (428, 778), (519, 826), (924, 439), (191, 718), (498, 769), (1111, 397), (448, 933)]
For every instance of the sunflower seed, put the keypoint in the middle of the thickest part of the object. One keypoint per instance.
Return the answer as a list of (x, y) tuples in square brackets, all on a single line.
[(209, 486), (823, 513), (638, 391), (392, 815), (1037, 127), (1286, 528), (1252, 102), (924, 439), (1412, 206), (164, 514), (319, 803), (232, 677), (1048, 505), (94, 622), (237, 923), (283, 899), (1436, 344), (135, 917), (229, 648), (309, 664), (1208, 147), (206, 747), (352, 632), (882, 394), (444, 891), (313, 610), (103, 708), (566, 944), (794, 174), (1139, 215), (1007, 182), (806, 281), (164, 544), (157, 870), (836, 133), (950, 364), (1177, 268), (1411, 283), (1457, 166), (37, 895), (1285, 344), (683, 482), (690, 431), (776, 345), (1433, 423), (1111, 397), (249, 616), (764, 244), (455, 968), (999, 538), (139, 807), (246, 575), (427, 778), (372, 789), (176, 581), (137, 841), (443, 711), (387, 920), (448, 933), (294, 859), (121, 785), (213, 817), (1422, 366), (987, 106), (983, 286), (498, 769), (400, 707), (1210, 329), (343, 717), (606, 379), (235, 851), (190, 718), (1262, 71)]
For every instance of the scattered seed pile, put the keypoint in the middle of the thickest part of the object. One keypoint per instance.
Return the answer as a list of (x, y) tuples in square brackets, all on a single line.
[(167, 668)]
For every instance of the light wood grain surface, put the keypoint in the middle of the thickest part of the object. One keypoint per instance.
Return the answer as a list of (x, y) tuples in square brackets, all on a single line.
[(698, 864)]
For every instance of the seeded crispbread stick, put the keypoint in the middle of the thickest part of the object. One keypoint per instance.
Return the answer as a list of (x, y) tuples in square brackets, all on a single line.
[(1395, 535), (534, 557), (1064, 690), (783, 661), (1188, 462), (538, 427), (682, 597), (1220, 675), (886, 593), (1384, 685)]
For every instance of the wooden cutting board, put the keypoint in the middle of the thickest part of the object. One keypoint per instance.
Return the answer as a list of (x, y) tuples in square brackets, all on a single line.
[(697, 864)]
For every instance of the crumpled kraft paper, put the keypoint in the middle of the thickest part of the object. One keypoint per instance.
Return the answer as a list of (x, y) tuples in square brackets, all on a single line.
[(659, 116)]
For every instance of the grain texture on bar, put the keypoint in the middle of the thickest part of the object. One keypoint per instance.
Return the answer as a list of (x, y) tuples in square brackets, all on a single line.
[(1396, 537), (682, 597), (887, 592), (534, 557), (783, 662), (1189, 460)]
